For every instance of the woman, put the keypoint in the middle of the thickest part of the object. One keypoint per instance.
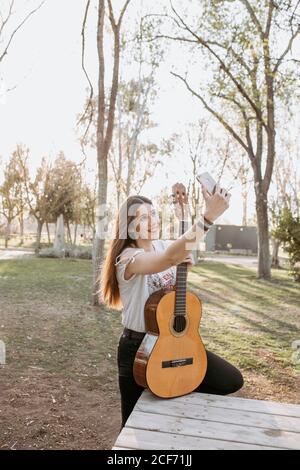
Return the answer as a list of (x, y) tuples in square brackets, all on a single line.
[(138, 263)]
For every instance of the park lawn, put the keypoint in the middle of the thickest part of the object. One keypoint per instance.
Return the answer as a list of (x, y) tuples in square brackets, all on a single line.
[(253, 324), (60, 381)]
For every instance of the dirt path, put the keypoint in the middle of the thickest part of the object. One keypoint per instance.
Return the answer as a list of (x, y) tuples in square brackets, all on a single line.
[(13, 254)]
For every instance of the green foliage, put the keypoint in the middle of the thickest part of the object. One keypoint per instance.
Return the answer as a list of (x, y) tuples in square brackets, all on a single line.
[(288, 232), (64, 189), (12, 190)]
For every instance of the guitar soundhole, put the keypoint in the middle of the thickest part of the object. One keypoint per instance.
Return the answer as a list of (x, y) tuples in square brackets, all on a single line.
[(179, 323)]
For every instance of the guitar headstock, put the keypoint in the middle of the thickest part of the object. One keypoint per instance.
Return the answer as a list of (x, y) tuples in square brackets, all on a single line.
[(180, 201)]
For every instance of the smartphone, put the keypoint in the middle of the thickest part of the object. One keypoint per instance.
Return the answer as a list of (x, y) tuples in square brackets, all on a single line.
[(207, 181)]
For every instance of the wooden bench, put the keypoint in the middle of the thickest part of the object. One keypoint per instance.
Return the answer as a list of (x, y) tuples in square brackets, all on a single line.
[(202, 421)]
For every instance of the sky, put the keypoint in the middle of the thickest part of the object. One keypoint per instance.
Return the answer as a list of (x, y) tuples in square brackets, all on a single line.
[(43, 68)]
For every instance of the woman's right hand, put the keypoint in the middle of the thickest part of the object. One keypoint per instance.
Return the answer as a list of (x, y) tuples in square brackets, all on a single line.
[(216, 204)]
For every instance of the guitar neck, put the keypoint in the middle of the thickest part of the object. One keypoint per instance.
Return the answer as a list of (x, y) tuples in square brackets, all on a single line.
[(181, 280)]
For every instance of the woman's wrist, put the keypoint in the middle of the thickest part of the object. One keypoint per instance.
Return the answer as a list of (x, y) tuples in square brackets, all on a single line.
[(204, 223), (208, 218)]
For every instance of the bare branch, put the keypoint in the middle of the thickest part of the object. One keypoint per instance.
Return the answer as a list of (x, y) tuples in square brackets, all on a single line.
[(123, 12), (4, 22), (287, 50), (214, 113), (245, 117), (253, 17), (90, 104), (116, 26), (270, 16), (83, 57), (18, 27), (226, 69), (101, 88), (211, 43), (115, 74), (294, 12), (238, 58), (164, 16), (111, 14), (173, 38)]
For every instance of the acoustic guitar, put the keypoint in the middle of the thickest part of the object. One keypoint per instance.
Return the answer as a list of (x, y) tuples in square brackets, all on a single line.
[(171, 360)]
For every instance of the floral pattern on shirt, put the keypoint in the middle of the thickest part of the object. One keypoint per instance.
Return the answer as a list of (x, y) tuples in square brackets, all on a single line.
[(160, 280)]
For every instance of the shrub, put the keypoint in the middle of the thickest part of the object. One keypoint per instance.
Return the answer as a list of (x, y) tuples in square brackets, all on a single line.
[(288, 232), (69, 252)]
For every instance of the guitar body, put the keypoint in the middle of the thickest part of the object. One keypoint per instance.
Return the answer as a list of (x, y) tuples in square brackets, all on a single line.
[(171, 363)]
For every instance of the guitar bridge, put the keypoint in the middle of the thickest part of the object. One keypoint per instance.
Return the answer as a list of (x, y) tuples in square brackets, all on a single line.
[(177, 362)]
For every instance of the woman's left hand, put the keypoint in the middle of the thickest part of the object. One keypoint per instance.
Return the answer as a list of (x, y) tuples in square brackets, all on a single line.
[(190, 261)]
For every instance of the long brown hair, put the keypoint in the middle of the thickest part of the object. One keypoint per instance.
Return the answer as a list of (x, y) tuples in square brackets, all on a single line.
[(109, 287)]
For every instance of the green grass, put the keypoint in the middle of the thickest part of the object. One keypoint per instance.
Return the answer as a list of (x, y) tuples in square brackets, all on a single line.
[(248, 321), (47, 321)]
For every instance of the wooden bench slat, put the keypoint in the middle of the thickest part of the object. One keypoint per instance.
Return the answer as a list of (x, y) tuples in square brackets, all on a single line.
[(209, 429), (122, 448), (208, 413), (203, 421), (154, 440), (233, 403)]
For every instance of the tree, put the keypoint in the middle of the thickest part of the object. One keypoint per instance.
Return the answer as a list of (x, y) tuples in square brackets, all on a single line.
[(288, 233), (247, 45), (240, 168), (196, 136), (133, 159), (20, 164), (37, 196), (88, 208), (105, 123), (10, 194), (13, 190), (51, 192), (287, 185), (206, 151), (127, 153), (64, 192)]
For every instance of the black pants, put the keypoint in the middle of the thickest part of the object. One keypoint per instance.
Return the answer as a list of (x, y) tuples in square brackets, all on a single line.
[(221, 377)]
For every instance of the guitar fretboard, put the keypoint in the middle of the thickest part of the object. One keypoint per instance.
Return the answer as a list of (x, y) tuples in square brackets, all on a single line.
[(181, 280)]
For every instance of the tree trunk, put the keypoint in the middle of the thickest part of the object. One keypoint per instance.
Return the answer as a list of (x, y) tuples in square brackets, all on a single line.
[(120, 158), (39, 235), (99, 240), (21, 220), (7, 233), (75, 234), (69, 233), (104, 137), (98, 245), (275, 258), (48, 233), (264, 265), (245, 207), (59, 240)]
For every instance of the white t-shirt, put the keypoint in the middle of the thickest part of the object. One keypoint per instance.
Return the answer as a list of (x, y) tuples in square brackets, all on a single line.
[(135, 291)]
